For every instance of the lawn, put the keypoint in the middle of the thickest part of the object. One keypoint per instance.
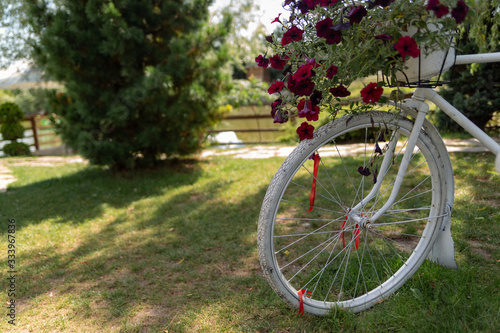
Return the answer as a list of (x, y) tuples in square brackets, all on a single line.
[(174, 250)]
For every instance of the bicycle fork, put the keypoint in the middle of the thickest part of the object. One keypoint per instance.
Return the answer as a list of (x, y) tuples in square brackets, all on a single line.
[(417, 102)]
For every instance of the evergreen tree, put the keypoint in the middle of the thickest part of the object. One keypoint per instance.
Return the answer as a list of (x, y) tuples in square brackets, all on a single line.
[(142, 78)]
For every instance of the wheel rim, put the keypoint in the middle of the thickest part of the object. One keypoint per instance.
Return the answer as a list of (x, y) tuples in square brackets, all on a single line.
[(339, 262)]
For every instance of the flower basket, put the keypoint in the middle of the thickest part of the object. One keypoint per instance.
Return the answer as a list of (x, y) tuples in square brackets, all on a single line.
[(326, 45), (426, 70)]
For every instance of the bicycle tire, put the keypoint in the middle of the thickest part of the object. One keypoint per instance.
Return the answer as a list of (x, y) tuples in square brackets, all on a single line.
[(323, 252)]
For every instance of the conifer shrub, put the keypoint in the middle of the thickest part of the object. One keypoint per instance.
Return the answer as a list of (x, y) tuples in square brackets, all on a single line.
[(12, 130), (142, 79)]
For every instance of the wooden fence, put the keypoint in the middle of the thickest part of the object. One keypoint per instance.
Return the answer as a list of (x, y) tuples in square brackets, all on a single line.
[(39, 133)]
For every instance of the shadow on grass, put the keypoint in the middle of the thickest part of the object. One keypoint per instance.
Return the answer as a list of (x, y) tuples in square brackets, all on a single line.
[(174, 249), (147, 248)]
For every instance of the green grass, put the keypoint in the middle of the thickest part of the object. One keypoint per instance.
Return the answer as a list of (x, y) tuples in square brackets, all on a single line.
[(174, 250)]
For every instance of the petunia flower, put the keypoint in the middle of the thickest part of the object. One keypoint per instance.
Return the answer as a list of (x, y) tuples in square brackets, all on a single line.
[(316, 97), (460, 11), (326, 3), (276, 103), (371, 93), (308, 110), (438, 9), (280, 117), (277, 62), (323, 26), (301, 88), (303, 72), (382, 3), (333, 36), (340, 91), (331, 71), (276, 19), (262, 61), (384, 37), (407, 46), (356, 14), (364, 171), (276, 87), (292, 34), (305, 131)]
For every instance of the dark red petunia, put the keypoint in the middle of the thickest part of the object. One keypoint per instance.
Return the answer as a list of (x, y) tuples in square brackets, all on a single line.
[(384, 37), (305, 131), (279, 116), (316, 97), (293, 34), (460, 11), (276, 103), (331, 71), (308, 110), (382, 3), (276, 87), (301, 88), (340, 91), (303, 72), (262, 61), (407, 46), (356, 14), (326, 3), (333, 36), (438, 9), (323, 26), (372, 93), (364, 171), (277, 62)]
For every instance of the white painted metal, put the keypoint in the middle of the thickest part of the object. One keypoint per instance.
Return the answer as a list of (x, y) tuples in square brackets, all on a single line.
[(477, 58)]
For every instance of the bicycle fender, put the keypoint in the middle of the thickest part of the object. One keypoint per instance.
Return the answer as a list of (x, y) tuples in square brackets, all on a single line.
[(443, 250)]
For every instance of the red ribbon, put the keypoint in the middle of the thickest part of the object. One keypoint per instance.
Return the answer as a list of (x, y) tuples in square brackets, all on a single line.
[(313, 187), (301, 293), (342, 231), (356, 232)]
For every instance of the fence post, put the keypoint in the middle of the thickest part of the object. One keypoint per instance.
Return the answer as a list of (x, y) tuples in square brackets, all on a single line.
[(35, 132)]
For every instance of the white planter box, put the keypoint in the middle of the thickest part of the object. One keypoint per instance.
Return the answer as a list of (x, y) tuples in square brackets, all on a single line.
[(430, 64)]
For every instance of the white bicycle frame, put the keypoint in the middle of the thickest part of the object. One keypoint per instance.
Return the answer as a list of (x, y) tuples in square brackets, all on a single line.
[(417, 102)]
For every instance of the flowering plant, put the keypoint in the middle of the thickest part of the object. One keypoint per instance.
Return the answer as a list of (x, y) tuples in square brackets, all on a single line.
[(328, 44)]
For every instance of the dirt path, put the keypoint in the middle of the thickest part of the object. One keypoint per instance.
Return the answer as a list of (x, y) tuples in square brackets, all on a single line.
[(6, 176)]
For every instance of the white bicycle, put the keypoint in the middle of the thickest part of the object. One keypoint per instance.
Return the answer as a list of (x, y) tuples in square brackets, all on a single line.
[(346, 227)]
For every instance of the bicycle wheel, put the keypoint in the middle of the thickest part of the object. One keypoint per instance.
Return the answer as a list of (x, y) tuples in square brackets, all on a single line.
[(330, 258)]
